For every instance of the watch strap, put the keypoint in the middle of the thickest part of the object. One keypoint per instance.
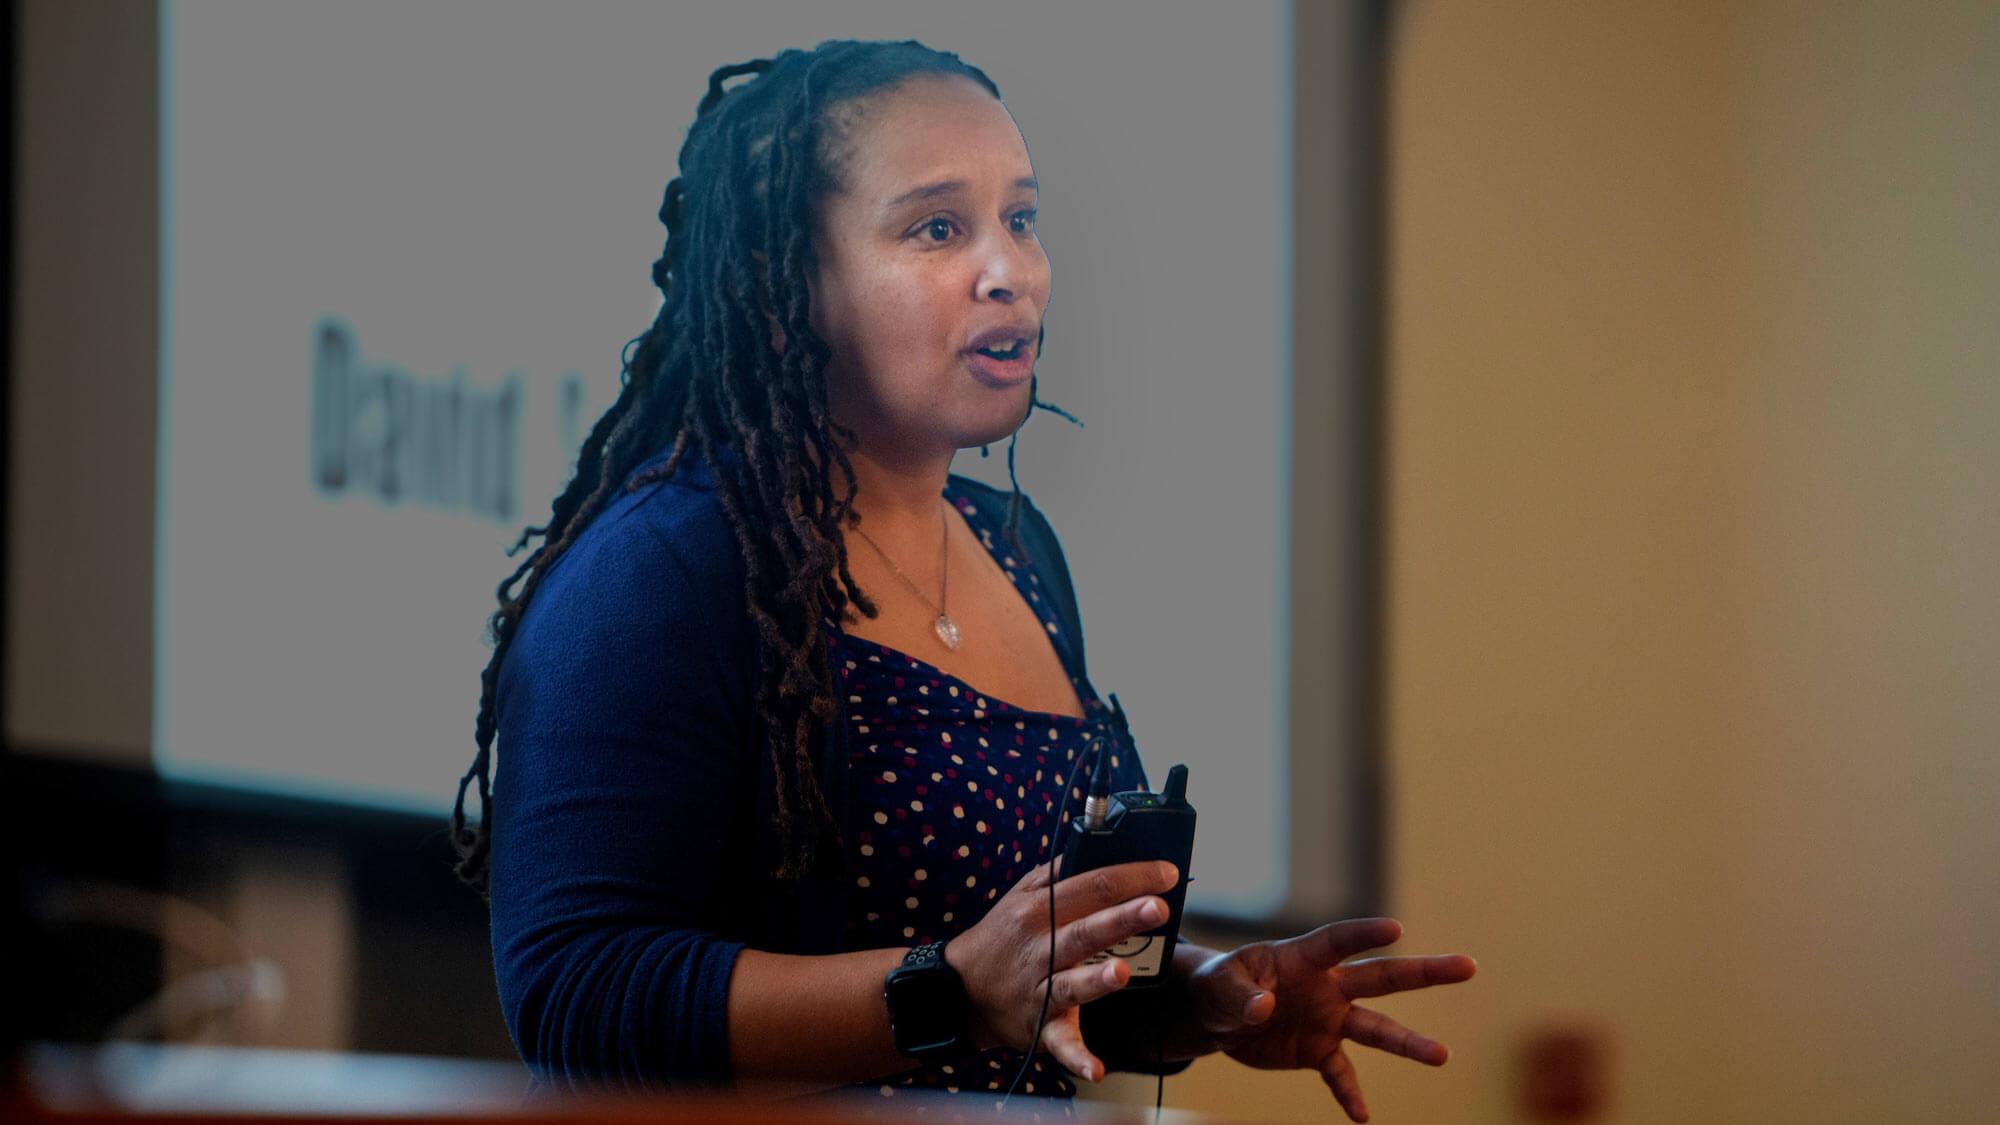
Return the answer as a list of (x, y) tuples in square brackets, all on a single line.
[(928, 961), (926, 956)]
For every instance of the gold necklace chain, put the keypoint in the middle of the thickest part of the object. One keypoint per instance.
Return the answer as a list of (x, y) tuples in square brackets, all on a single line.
[(945, 628)]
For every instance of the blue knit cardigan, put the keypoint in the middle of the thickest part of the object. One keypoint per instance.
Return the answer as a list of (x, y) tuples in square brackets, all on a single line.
[(631, 850)]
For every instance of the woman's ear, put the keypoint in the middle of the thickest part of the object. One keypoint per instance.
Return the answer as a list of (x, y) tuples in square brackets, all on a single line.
[(764, 300)]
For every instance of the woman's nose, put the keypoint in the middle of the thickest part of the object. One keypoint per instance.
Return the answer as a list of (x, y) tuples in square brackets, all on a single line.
[(1010, 269)]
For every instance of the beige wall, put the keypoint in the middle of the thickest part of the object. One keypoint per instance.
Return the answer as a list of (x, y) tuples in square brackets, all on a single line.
[(1694, 435), (84, 367)]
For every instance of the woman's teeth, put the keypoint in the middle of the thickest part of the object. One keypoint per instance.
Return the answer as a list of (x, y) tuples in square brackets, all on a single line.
[(1008, 352)]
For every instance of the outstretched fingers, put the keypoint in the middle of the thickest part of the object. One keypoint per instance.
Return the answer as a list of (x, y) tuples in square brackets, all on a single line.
[(1373, 1029), (1338, 1073), (1335, 942), (1380, 976)]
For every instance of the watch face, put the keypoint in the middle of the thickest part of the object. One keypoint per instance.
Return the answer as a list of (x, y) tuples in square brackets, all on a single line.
[(928, 1010)]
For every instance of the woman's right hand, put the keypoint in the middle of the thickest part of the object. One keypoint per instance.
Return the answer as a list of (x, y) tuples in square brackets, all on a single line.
[(1004, 958)]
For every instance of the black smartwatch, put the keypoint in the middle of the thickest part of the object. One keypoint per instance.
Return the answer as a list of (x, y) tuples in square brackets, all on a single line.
[(928, 1010)]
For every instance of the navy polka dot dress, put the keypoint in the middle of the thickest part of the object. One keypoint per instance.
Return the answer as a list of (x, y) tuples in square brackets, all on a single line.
[(956, 796)]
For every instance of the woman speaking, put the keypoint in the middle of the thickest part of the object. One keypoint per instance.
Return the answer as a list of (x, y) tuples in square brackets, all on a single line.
[(783, 706)]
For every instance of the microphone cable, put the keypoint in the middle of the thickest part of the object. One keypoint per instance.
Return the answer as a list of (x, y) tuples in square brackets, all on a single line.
[(1096, 752), (1100, 786)]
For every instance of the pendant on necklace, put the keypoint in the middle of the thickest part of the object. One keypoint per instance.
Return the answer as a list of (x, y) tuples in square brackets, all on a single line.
[(947, 631)]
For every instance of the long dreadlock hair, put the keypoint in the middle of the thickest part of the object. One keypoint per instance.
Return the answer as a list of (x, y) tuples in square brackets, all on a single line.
[(705, 378)]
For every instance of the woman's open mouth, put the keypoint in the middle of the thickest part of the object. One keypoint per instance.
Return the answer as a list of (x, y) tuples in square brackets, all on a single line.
[(1002, 365)]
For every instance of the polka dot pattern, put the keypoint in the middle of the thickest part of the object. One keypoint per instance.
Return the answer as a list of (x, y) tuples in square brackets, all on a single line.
[(957, 795)]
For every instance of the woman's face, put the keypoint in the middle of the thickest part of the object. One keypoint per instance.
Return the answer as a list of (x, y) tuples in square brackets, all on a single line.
[(927, 252)]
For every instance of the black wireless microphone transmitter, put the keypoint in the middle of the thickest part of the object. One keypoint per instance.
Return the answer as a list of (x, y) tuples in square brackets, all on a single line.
[(1126, 828)]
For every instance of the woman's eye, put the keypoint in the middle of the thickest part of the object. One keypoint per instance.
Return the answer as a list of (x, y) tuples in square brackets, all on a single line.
[(1022, 221), (939, 230)]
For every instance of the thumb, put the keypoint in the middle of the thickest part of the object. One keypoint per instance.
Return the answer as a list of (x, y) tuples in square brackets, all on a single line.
[(1259, 1007), (1232, 998)]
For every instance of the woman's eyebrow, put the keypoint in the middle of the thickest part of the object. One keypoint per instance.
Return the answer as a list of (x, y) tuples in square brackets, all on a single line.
[(949, 187)]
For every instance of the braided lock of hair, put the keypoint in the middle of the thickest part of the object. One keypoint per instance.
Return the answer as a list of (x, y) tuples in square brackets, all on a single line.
[(703, 380), (670, 218)]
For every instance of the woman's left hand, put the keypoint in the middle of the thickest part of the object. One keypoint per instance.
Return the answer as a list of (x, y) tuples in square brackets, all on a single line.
[(1283, 1005)]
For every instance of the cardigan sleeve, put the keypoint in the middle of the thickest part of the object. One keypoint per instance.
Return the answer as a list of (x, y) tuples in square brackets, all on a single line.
[(621, 764)]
